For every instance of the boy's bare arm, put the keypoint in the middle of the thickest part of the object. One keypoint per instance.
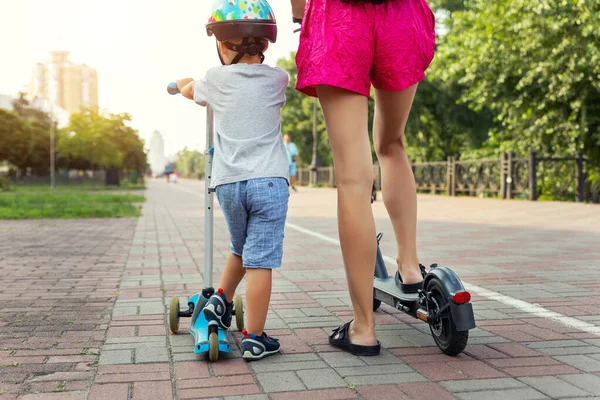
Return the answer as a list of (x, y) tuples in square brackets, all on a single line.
[(186, 87), (298, 8)]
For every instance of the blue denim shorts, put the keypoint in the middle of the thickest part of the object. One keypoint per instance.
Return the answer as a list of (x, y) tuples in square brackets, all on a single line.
[(255, 212)]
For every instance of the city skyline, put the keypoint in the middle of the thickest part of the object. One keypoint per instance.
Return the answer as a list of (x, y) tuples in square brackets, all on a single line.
[(136, 48), (64, 83)]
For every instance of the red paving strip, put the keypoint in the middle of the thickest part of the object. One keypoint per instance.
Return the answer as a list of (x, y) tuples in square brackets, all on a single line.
[(382, 392), (425, 391), (240, 390)]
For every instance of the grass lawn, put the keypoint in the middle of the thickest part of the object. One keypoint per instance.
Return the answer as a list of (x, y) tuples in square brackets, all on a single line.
[(26, 204), (75, 187)]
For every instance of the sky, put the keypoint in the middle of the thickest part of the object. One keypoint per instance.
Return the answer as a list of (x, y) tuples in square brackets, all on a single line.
[(137, 48)]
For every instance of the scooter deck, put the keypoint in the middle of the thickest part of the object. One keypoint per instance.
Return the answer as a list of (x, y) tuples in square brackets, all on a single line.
[(387, 291), (200, 332)]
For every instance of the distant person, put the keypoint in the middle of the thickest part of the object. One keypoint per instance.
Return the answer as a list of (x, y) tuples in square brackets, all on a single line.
[(292, 151), (168, 172), (250, 168), (174, 176)]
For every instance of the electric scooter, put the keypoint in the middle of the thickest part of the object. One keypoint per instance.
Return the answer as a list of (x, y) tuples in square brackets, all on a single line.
[(443, 303), (208, 337)]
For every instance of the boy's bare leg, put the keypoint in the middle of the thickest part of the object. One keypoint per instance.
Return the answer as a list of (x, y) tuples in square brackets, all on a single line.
[(232, 275), (258, 296)]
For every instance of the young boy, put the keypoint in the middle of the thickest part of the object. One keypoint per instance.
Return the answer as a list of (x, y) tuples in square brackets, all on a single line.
[(250, 166)]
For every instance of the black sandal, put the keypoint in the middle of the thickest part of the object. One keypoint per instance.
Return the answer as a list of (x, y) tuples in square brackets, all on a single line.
[(340, 338), (408, 288)]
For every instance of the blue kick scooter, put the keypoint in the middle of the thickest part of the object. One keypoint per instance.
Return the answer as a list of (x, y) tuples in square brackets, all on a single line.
[(208, 337)]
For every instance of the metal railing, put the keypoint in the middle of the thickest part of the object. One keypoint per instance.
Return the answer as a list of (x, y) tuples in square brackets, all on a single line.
[(567, 178)]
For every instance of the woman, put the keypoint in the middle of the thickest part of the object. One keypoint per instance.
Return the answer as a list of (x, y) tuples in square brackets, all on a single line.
[(345, 46)]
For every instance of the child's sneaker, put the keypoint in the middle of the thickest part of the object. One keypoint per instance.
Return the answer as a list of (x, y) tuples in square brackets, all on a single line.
[(218, 309), (256, 347)]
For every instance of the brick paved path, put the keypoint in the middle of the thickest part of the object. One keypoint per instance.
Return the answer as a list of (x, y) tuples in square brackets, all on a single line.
[(83, 306)]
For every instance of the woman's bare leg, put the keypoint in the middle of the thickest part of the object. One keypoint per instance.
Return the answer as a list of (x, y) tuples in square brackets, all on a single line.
[(346, 117), (397, 179)]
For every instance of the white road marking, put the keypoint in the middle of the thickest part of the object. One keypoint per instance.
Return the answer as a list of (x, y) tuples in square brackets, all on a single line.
[(521, 305)]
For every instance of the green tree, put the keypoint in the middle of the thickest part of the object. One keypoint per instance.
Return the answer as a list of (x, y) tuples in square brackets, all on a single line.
[(25, 143), (189, 163), (297, 119), (536, 64), (97, 140)]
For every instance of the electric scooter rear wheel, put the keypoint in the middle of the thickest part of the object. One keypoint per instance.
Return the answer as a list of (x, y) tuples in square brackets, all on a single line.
[(174, 314), (239, 312), (443, 329)]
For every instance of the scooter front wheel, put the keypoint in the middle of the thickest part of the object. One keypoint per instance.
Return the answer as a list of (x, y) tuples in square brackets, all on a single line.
[(239, 312), (442, 326), (213, 349)]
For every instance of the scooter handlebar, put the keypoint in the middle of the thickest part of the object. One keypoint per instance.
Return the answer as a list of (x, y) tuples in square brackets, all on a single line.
[(172, 88)]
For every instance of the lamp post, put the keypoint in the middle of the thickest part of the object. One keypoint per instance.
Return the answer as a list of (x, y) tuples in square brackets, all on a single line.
[(52, 156)]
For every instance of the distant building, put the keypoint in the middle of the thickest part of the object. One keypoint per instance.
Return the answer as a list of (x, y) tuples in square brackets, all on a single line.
[(69, 85), (156, 155)]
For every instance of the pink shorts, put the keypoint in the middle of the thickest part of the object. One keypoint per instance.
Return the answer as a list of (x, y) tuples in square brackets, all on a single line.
[(352, 46)]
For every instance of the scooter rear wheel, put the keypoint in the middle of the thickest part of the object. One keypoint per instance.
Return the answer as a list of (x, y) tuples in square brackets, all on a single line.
[(174, 314), (239, 312), (448, 339)]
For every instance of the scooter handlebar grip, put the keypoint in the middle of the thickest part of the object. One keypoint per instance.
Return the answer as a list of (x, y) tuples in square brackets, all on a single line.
[(172, 88)]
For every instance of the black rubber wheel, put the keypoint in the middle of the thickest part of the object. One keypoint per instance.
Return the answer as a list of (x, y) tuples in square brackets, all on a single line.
[(376, 304), (174, 315), (445, 335)]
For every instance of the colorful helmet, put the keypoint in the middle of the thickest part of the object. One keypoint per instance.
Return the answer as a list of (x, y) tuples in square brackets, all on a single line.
[(242, 19)]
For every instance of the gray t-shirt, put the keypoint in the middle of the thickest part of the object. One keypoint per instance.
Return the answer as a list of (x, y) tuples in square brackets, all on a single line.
[(247, 101)]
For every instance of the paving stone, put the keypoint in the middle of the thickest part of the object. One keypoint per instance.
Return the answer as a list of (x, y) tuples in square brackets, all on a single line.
[(158, 340), (555, 343), (279, 381), (125, 311), (325, 394), (291, 366), (342, 359), (382, 392), (150, 354), (588, 382), (385, 379), (512, 394), (321, 378), (586, 364), (565, 351), (475, 385), (116, 391), (152, 390), (425, 391), (248, 397), (554, 387), (374, 370), (116, 357)]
